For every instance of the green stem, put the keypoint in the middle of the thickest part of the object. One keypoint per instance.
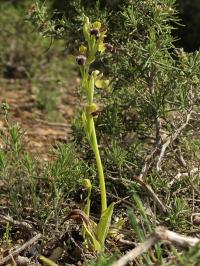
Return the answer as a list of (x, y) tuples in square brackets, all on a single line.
[(100, 172), (93, 142), (87, 207)]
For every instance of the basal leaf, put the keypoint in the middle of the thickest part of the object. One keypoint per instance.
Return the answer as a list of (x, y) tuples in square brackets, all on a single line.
[(90, 238), (104, 224), (115, 228)]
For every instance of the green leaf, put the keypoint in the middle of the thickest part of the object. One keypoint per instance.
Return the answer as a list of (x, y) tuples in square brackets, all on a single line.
[(115, 228), (84, 119), (90, 237), (90, 125), (91, 88), (47, 261), (86, 126), (87, 184), (104, 224), (137, 229)]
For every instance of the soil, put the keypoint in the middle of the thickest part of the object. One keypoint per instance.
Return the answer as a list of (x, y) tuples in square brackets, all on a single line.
[(39, 128)]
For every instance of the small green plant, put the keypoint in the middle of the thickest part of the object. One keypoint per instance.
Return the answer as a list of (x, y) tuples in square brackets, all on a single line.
[(15, 134), (190, 257), (142, 229), (116, 155), (7, 234), (102, 260), (94, 36), (180, 210)]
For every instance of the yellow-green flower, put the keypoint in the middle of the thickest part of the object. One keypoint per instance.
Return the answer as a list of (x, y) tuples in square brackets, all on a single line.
[(82, 49), (101, 44)]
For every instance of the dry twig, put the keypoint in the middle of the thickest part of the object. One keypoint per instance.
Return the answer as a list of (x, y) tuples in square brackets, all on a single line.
[(147, 163), (140, 179), (9, 219), (151, 192), (184, 174), (160, 234), (20, 249), (172, 138), (147, 187)]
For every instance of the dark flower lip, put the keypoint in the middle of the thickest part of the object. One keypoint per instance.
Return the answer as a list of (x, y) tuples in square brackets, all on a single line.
[(81, 60), (94, 32)]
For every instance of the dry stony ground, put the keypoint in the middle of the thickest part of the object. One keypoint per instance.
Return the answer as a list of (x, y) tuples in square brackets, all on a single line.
[(39, 133)]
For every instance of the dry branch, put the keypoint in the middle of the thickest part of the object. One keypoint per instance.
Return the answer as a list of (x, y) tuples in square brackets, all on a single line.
[(20, 249), (184, 174), (147, 187), (9, 219), (133, 254), (151, 192), (140, 179), (147, 163), (160, 234), (172, 138)]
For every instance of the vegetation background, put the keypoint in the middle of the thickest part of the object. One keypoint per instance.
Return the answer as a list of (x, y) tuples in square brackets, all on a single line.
[(44, 154)]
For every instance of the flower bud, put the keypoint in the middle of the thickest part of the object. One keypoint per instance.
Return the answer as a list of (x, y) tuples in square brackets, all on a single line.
[(86, 183), (81, 60)]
